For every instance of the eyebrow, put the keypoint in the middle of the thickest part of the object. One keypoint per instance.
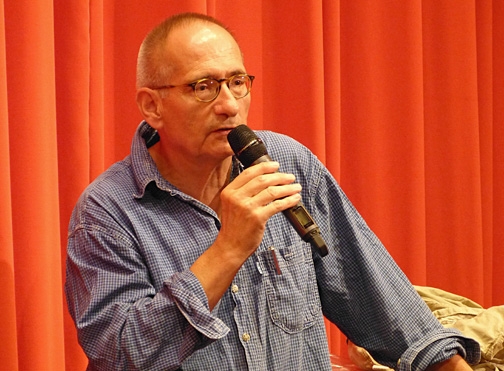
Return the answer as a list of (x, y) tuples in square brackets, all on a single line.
[(232, 73)]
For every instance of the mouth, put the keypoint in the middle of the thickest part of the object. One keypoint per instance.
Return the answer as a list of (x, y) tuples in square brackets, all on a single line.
[(226, 130)]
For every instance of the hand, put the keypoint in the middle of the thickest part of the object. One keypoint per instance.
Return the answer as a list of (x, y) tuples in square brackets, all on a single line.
[(456, 363), (247, 203), (250, 200)]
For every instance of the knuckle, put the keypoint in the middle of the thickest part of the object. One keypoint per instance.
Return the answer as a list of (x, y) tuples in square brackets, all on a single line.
[(262, 179), (279, 205), (272, 191), (225, 195)]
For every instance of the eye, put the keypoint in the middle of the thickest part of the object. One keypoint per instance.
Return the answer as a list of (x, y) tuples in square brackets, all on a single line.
[(238, 81), (203, 85)]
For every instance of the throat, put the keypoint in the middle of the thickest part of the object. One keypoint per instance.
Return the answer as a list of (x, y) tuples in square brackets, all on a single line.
[(211, 192), (202, 182), (214, 203)]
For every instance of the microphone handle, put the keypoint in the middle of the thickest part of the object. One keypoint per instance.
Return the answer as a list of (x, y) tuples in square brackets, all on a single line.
[(302, 221)]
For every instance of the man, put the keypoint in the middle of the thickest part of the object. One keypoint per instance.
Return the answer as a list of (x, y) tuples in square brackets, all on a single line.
[(179, 258)]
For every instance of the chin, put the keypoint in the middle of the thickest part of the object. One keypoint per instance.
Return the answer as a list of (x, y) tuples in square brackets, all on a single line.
[(222, 154)]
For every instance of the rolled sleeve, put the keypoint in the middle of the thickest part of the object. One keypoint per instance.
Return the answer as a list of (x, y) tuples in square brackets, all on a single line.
[(188, 294), (439, 347)]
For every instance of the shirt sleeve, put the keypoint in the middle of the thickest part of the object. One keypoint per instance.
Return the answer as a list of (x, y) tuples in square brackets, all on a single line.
[(366, 294), (437, 347), (122, 321)]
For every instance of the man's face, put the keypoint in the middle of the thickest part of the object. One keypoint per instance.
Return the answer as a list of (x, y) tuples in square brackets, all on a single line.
[(194, 129)]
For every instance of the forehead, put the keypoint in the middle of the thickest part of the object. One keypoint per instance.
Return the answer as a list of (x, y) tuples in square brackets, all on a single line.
[(202, 48)]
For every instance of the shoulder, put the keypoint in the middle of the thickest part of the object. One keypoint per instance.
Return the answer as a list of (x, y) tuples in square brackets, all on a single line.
[(110, 192), (288, 151), (113, 182), (276, 139), (283, 145)]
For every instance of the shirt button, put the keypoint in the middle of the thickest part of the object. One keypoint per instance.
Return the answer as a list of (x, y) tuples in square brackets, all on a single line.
[(234, 288), (246, 337)]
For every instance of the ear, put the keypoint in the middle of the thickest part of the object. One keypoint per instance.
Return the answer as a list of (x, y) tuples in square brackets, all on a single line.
[(149, 104)]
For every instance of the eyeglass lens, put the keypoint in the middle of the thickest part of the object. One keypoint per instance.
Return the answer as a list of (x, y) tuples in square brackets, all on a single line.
[(208, 89)]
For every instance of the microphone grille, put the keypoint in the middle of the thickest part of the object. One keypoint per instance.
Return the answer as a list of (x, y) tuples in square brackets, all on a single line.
[(246, 145), (240, 137)]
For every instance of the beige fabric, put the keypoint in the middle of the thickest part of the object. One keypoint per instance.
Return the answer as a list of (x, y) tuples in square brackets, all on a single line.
[(485, 325)]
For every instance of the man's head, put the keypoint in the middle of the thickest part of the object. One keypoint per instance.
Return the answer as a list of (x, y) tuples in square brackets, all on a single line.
[(152, 69), (179, 52)]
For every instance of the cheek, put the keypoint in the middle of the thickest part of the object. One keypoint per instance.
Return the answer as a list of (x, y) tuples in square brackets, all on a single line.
[(183, 115), (244, 108)]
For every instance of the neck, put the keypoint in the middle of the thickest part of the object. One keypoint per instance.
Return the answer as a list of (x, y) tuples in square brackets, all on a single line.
[(202, 180)]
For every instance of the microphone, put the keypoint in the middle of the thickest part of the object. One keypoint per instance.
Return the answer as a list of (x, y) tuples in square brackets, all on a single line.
[(250, 150)]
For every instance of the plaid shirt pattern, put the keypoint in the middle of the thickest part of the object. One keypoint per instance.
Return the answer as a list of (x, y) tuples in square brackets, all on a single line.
[(133, 237)]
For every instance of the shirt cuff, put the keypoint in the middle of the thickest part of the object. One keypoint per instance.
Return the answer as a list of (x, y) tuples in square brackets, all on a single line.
[(438, 347), (188, 294)]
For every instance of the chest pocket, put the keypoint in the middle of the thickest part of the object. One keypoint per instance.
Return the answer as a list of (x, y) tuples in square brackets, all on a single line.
[(292, 296)]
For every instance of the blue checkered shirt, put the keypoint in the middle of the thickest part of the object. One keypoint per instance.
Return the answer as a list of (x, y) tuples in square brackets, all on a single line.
[(137, 306)]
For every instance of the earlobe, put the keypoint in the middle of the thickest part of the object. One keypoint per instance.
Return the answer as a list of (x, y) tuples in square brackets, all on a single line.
[(149, 104)]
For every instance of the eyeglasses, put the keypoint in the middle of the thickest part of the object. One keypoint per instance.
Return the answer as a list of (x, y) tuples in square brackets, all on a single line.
[(207, 89)]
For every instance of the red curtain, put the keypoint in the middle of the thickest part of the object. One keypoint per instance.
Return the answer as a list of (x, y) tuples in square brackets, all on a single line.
[(402, 100)]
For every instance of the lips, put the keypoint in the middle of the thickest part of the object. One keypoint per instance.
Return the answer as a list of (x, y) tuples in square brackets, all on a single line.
[(226, 129)]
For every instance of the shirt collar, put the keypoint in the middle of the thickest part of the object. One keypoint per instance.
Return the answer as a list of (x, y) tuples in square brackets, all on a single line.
[(144, 168)]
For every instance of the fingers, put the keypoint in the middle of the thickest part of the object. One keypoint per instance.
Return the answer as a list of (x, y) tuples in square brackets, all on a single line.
[(261, 189), (249, 201), (278, 198), (263, 176), (253, 172)]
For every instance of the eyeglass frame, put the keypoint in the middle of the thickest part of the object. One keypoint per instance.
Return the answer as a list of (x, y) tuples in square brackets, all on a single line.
[(219, 81)]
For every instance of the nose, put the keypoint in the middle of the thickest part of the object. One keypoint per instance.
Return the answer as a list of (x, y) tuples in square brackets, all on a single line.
[(226, 103)]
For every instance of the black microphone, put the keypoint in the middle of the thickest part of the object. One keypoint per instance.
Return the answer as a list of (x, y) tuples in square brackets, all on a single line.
[(250, 150)]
